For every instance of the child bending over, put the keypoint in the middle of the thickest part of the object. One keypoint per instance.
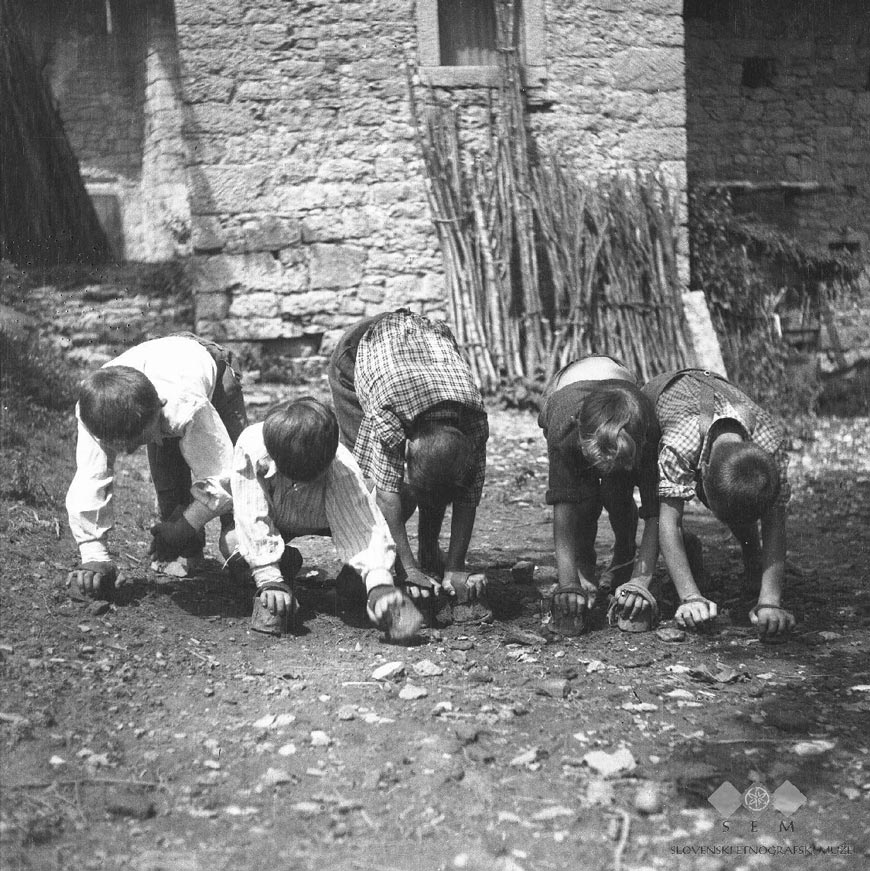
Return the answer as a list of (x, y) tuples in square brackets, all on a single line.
[(291, 477), (180, 397), (719, 445), (411, 413), (601, 437)]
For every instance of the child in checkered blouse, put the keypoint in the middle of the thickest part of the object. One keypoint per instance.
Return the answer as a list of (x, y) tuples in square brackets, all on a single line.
[(601, 442), (719, 445), (411, 413)]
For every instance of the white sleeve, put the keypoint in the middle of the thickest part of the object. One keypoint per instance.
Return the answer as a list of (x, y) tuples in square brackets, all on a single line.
[(359, 530), (260, 542), (207, 449), (89, 501)]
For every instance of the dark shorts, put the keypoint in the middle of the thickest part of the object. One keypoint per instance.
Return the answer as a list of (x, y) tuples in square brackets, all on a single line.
[(169, 469), (342, 365)]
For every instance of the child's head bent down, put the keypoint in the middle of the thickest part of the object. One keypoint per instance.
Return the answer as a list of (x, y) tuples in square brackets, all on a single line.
[(119, 405), (613, 426), (438, 461), (741, 482), (301, 436)]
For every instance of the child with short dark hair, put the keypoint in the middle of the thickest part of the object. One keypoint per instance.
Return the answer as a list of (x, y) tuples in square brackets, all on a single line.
[(601, 437), (411, 413), (721, 446), (291, 477), (438, 462), (179, 396)]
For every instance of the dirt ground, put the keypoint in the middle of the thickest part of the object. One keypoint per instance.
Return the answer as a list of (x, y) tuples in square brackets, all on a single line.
[(161, 734)]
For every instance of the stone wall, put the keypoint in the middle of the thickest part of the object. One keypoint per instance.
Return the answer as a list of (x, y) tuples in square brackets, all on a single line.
[(779, 93), (307, 197)]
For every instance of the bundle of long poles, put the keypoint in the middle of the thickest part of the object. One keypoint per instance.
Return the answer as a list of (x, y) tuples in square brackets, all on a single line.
[(504, 210)]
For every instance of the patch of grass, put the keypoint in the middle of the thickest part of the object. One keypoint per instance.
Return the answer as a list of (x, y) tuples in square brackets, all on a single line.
[(37, 372)]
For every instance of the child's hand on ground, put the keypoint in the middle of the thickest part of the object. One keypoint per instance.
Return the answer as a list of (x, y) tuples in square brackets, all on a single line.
[(279, 602), (464, 586), (94, 579), (170, 538), (420, 585), (571, 600), (696, 612), (632, 605), (771, 620)]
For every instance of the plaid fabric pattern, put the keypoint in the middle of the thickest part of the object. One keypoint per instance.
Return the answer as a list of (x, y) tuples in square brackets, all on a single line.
[(406, 366), (680, 454)]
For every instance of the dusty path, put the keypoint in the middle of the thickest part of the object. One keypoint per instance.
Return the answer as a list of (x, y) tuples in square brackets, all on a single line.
[(163, 734)]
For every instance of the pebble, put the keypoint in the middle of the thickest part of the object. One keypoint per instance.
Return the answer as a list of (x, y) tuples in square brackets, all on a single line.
[(527, 757), (552, 813), (97, 609), (388, 670), (812, 748), (320, 739), (608, 764), (648, 799), (274, 776), (556, 688), (519, 636), (427, 668), (409, 692), (670, 634), (461, 644), (346, 712), (466, 733)]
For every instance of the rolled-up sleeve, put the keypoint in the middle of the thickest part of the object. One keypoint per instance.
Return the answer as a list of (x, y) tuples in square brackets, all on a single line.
[(89, 501), (207, 449), (260, 542), (359, 531), (676, 475)]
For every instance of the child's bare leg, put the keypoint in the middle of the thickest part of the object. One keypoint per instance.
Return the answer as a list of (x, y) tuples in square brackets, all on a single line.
[(750, 545), (618, 497), (428, 533)]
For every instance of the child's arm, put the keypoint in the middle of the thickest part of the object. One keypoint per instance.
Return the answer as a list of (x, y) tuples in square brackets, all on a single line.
[(648, 552), (392, 507), (359, 530), (773, 620), (695, 610), (569, 518), (455, 575), (260, 542)]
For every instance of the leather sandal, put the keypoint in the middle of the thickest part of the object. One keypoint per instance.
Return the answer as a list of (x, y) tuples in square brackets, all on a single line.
[(464, 608), (393, 613), (645, 621), (263, 620), (567, 624)]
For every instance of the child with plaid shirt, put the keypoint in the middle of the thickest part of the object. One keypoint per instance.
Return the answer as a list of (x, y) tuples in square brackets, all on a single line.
[(409, 409), (721, 446)]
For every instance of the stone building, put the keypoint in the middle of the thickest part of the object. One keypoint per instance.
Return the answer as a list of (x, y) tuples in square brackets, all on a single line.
[(272, 140), (778, 99)]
